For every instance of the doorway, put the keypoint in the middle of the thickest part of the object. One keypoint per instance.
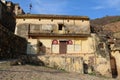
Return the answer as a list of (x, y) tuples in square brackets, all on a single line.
[(63, 47), (113, 67)]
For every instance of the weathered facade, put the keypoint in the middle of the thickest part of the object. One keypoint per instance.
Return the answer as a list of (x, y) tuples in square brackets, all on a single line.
[(59, 39), (54, 35), (114, 56)]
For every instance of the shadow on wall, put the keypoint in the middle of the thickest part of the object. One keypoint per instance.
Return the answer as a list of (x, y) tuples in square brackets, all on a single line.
[(10, 44), (30, 49), (38, 48), (41, 48), (87, 68), (30, 59), (7, 18), (34, 60)]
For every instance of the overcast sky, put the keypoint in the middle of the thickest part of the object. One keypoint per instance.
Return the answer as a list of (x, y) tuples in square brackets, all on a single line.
[(90, 8)]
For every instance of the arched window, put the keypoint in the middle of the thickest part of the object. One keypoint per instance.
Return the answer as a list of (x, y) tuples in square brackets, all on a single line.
[(69, 42), (55, 42)]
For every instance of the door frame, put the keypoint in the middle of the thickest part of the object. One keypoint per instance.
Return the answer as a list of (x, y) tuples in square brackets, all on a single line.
[(62, 47)]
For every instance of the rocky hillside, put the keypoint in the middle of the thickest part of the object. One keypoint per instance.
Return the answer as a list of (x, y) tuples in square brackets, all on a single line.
[(104, 20), (107, 25), (113, 27)]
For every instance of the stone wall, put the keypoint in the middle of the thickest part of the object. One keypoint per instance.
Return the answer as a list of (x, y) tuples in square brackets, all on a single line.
[(115, 58), (116, 55), (102, 56), (95, 54), (67, 63), (7, 18), (11, 46)]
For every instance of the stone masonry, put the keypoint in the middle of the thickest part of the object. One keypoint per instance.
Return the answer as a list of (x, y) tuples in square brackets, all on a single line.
[(11, 46)]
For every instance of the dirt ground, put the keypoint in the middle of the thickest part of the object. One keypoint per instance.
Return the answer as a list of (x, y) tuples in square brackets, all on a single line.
[(32, 72)]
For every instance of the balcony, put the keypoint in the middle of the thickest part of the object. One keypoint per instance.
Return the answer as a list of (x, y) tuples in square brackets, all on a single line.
[(53, 30)]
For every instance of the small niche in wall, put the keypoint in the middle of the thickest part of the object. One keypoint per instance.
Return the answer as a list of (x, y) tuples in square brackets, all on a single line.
[(39, 19), (52, 20), (18, 8), (67, 20), (82, 20), (101, 46), (24, 19), (60, 26)]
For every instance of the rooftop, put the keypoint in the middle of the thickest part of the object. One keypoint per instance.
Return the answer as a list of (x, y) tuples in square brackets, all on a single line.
[(52, 16)]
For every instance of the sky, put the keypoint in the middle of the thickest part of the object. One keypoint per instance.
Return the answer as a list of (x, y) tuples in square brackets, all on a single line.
[(91, 8)]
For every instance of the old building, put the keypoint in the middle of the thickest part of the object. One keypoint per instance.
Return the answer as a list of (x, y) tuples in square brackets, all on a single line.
[(55, 34), (64, 42), (60, 41)]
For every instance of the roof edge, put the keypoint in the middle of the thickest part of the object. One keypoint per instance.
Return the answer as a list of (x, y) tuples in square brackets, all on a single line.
[(52, 16)]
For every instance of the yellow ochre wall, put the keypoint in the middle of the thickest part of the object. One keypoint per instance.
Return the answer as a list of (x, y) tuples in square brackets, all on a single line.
[(79, 46), (116, 55), (83, 24), (55, 21)]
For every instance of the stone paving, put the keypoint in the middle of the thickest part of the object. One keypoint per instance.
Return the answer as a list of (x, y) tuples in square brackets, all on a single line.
[(32, 72)]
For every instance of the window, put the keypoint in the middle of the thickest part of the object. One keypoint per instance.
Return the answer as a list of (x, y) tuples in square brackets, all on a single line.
[(67, 20), (69, 42), (24, 19), (39, 19), (60, 26), (55, 42), (77, 45), (82, 20), (52, 20), (18, 8)]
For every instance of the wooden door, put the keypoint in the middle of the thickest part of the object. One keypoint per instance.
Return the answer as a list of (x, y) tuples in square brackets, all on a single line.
[(63, 47), (113, 67)]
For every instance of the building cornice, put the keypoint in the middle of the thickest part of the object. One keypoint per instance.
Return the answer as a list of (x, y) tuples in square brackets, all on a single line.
[(39, 16), (57, 35)]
